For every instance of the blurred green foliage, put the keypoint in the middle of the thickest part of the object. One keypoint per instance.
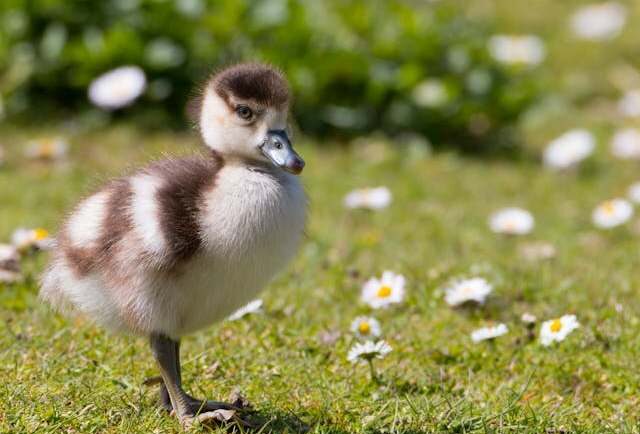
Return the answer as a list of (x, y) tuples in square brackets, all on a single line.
[(355, 66)]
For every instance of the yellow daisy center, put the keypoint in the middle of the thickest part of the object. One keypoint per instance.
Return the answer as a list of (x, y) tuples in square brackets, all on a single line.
[(40, 234), (46, 148), (609, 207), (384, 291), (364, 328), (556, 325)]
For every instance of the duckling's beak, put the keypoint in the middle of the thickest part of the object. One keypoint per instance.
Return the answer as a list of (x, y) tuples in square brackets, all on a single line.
[(277, 148)]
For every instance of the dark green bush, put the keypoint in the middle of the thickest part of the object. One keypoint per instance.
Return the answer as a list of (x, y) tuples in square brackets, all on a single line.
[(354, 65)]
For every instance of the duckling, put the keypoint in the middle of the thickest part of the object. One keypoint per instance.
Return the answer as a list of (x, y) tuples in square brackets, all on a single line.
[(182, 243)]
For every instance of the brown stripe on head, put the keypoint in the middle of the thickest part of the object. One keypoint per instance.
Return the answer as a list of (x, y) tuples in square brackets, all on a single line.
[(252, 81)]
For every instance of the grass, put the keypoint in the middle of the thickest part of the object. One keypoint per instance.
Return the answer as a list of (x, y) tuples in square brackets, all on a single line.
[(62, 375)]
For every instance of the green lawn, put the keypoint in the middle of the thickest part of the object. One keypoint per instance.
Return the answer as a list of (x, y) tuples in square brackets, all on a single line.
[(61, 375), (67, 376)]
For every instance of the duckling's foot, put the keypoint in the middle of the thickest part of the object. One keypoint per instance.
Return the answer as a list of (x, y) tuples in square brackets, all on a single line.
[(209, 412), (223, 415), (215, 417), (206, 406), (202, 406)]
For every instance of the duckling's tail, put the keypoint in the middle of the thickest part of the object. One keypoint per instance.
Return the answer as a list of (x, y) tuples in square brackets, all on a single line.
[(51, 287)]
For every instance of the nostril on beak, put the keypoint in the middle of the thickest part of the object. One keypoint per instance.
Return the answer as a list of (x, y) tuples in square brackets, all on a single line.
[(296, 165)]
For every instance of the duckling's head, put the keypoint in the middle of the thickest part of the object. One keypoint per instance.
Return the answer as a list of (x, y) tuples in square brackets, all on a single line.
[(243, 113)]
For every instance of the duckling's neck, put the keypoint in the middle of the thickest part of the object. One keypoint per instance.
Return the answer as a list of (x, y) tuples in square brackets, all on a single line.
[(252, 164)]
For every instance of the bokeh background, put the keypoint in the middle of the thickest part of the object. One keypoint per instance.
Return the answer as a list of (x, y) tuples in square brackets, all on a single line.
[(453, 109), (407, 67)]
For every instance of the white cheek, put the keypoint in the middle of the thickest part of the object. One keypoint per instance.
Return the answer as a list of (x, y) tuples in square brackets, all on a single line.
[(213, 120), (259, 133)]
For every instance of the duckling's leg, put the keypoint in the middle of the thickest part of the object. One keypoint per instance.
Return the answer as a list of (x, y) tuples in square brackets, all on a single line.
[(165, 401), (166, 354), (197, 405)]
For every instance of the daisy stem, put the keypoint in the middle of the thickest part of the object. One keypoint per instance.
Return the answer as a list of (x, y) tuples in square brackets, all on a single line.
[(372, 370)]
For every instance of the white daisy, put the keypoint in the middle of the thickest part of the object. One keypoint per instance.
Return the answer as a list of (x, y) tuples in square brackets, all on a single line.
[(24, 239), (634, 192), (599, 21), (368, 350), (569, 149), (383, 292), (612, 213), (254, 306), (118, 88), (369, 198), (556, 330), (517, 49), (629, 104), (528, 318), (366, 327), (626, 144), (50, 148), (512, 221), (469, 290), (9, 264), (488, 333)]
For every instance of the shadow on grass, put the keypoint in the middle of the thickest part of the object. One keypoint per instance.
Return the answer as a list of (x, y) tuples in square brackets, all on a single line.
[(271, 421), (278, 422)]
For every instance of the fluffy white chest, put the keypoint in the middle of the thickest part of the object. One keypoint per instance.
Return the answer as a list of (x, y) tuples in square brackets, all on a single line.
[(251, 224)]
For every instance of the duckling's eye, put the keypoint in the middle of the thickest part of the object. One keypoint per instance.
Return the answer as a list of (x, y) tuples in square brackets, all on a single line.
[(244, 112)]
